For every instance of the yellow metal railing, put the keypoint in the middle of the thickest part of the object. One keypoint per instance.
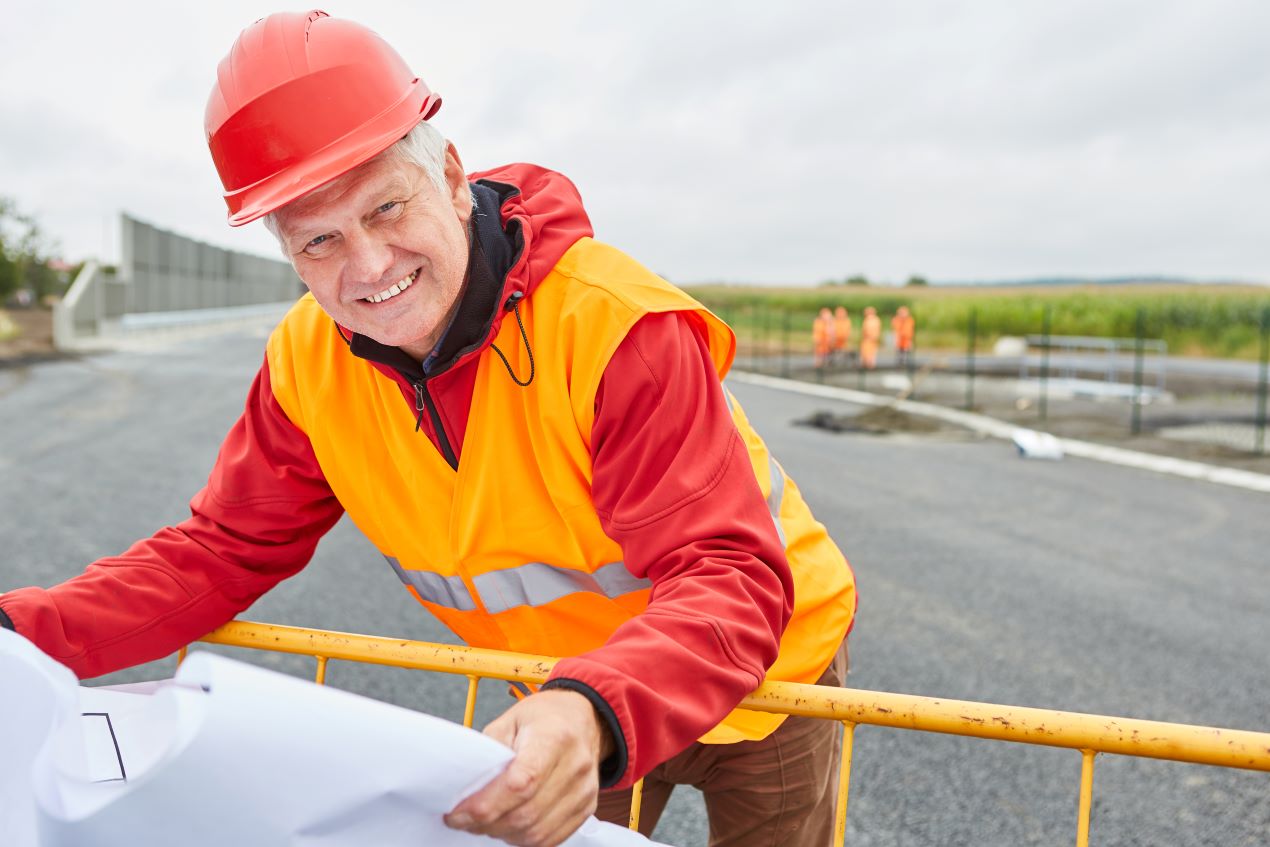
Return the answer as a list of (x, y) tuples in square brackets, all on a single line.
[(1090, 734)]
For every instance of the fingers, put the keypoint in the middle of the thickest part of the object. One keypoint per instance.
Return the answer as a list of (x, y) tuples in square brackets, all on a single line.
[(533, 809), (551, 786), (548, 829), (524, 778), (503, 729)]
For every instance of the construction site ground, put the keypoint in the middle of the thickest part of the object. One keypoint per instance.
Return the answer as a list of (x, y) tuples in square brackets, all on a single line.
[(1198, 418)]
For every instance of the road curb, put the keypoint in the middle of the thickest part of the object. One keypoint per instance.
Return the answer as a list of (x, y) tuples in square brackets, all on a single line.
[(1247, 480)]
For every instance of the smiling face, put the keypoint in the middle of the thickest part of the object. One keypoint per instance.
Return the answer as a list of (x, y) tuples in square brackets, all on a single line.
[(383, 249)]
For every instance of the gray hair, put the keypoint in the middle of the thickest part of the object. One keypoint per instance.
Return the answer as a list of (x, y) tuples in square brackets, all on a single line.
[(423, 146)]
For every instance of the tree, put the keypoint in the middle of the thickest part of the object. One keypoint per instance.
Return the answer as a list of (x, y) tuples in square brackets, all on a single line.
[(23, 254), (916, 280), (858, 279)]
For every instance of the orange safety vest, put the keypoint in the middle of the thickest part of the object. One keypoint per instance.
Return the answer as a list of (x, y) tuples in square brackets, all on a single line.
[(820, 330), (903, 327), (841, 332), (508, 550), (870, 330)]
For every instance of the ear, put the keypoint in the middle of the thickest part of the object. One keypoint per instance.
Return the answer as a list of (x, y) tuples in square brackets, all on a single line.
[(456, 179)]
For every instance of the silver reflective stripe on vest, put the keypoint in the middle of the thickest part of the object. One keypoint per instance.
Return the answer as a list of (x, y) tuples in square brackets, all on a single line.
[(448, 591), (776, 495), (537, 583)]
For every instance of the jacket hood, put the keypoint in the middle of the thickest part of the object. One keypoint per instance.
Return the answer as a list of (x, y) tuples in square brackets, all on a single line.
[(546, 208), (540, 216)]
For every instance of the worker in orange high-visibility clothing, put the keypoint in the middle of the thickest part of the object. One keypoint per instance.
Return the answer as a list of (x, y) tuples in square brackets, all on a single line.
[(529, 425), (903, 326), (822, 337), (870, 338), (841, 333)]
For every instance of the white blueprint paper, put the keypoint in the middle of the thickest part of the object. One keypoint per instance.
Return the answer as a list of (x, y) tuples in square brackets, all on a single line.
[(228, 753)]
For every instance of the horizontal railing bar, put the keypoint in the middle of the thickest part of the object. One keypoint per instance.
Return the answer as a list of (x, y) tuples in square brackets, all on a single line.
[(377, 650), (1123, 736)]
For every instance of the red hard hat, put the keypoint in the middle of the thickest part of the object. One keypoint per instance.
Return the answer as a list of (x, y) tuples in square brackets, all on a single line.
[(300, 99)]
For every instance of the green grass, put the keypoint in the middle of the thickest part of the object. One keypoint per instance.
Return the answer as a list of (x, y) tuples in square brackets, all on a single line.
[(1217, 321)]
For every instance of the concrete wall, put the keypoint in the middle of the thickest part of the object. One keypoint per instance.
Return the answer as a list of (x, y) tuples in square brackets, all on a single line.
[(168, 279), (169, 272)]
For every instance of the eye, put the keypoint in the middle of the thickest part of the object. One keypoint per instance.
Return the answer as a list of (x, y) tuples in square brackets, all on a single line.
[(318, 245), (390, 206)]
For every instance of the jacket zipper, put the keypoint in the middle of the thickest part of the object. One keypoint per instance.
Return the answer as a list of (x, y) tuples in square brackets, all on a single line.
[(423, 401)]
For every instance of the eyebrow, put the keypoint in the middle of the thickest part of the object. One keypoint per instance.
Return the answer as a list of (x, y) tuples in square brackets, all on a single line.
[(306, 232)]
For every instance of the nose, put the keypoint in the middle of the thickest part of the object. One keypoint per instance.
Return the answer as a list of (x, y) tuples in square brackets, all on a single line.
[(368, 258)]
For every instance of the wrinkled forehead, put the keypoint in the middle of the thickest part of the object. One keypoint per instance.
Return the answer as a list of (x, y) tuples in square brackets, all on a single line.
[(353, 193)]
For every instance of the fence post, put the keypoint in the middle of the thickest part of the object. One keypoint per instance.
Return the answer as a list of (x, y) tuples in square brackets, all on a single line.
[(1261, 383), (763, 336), (1135, 426), (1043, 399), (971, 332), (908, 367), (785, 347)]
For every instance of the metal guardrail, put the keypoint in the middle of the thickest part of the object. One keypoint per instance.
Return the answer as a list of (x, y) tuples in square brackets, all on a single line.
[(1090, 734)]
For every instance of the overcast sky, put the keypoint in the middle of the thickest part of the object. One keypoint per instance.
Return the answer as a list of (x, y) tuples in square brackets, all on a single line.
[(747, 142)]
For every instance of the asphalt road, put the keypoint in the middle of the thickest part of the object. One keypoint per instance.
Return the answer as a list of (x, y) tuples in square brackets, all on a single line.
[(1068, 585)]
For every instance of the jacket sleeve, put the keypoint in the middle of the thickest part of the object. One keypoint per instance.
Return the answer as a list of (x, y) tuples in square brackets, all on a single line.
[(673, 485), (256, 522)]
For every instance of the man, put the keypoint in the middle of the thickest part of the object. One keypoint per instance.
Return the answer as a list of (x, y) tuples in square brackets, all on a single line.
[(903, 326), (841, 332), (528, 425), (870, 338), (822, 337)]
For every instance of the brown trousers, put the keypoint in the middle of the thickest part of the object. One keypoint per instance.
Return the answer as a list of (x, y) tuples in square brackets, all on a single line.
[(778, 792)]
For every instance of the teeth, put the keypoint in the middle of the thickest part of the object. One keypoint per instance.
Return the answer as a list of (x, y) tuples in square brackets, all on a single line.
[(393, 291)]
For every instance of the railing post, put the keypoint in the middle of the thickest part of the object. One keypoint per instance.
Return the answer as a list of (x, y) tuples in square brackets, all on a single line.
[(469, 707), (844, 785), (637, 800), (1086, 797), (320, 676)]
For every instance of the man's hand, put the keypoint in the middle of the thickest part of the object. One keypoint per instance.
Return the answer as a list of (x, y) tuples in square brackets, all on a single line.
[(550, 788)]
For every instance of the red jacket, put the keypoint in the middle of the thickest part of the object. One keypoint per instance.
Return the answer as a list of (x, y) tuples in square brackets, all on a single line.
[(670, 674)]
